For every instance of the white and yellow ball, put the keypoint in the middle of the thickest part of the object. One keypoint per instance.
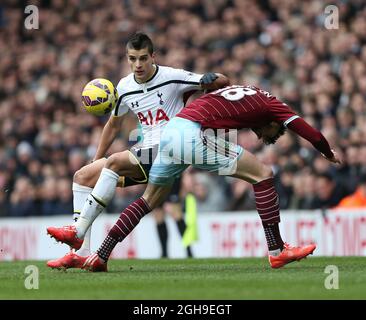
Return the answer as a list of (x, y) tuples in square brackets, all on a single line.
[(99, 97)]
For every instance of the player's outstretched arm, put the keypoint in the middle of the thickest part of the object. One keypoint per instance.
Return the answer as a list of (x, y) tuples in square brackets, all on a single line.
[(109, 133), (214, 81), (315, 137), (333, 159)]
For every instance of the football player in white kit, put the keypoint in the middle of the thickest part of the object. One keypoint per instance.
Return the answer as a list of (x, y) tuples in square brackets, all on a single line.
[(155, 94)]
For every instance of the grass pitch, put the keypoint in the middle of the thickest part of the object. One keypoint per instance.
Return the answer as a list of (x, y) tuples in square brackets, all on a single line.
[(195, 279)]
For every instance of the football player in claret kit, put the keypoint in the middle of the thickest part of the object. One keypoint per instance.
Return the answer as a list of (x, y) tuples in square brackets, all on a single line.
[(155, 94), (233, 107)]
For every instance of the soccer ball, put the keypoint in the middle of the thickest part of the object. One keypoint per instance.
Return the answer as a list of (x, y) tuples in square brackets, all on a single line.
[(99, 97)]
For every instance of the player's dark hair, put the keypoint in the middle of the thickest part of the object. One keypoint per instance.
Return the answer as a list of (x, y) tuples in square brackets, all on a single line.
[(280, 133), (140, 41)]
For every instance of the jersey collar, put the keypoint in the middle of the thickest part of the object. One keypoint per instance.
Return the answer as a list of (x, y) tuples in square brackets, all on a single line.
[(152, 77)]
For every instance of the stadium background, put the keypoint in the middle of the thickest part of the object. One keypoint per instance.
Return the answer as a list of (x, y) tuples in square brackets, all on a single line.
[(281, 46)]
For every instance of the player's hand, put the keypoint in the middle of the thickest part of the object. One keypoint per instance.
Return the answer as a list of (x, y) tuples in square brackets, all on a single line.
[(208, 78), (334, 158)]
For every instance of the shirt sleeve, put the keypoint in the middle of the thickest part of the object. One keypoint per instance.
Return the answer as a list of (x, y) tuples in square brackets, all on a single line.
[(281, 112), (314, 136), (186, 80)]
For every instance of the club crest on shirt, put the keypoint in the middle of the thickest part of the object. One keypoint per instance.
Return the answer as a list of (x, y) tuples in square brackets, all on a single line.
[(161, 102)]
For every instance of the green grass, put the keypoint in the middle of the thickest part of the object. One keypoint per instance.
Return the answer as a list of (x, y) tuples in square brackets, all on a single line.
[(234, 279)]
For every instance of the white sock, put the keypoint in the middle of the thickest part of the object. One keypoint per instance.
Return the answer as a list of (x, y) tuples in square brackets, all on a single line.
[(101, 195), (80, 195), (84, 250), (274, 253)]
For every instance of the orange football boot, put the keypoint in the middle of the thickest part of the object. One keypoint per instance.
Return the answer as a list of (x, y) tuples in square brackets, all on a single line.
[(94, 264), (69, 260), (290, 254), (66, 235)]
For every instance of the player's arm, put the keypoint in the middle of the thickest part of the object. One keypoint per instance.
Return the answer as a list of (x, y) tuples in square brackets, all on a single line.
[(109, 133), (314, 136), (193, 81), (114, 123), (213, 81)]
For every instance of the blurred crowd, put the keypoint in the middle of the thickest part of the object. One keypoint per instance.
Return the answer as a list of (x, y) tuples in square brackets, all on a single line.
[(282, 46)]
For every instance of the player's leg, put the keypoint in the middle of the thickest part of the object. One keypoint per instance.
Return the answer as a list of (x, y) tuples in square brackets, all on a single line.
[(97, 200), (83, 183), (230, 159), (88, 175), (227, 158), (118, 164), (250, 169), (161, 178), (127, 221)]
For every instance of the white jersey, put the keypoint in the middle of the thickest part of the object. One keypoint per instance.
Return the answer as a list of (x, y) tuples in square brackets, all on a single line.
[(156, 101)]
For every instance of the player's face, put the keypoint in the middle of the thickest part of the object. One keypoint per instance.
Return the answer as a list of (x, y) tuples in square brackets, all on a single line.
[(141, 63), (270, 133)]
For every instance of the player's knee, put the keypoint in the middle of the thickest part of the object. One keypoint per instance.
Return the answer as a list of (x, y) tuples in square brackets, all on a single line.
[(266, 173), (114, 163), (82, 177)]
